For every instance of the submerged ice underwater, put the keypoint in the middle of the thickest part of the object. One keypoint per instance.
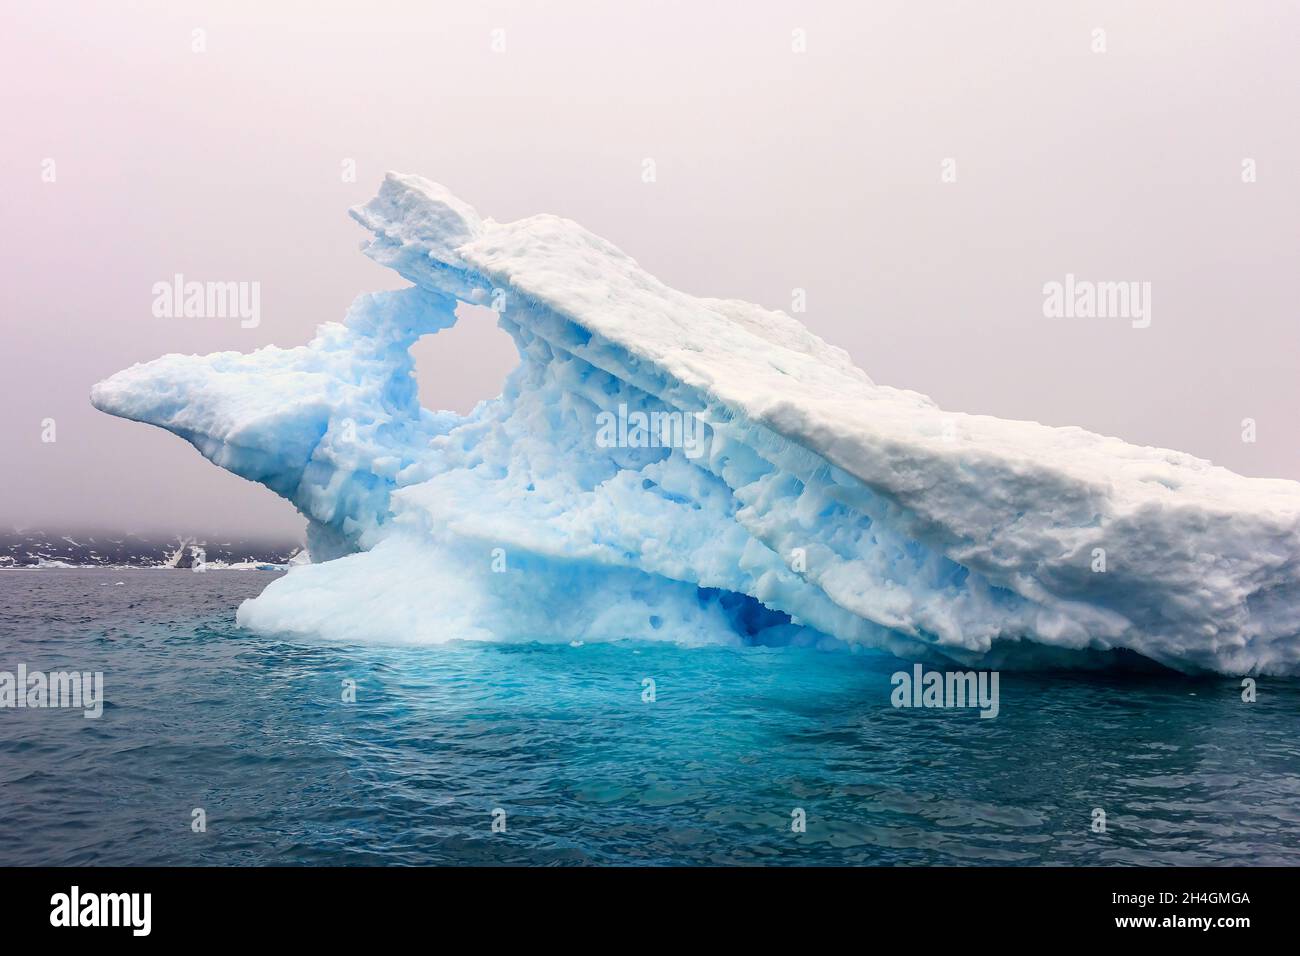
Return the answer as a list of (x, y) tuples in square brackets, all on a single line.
[(662, 466)]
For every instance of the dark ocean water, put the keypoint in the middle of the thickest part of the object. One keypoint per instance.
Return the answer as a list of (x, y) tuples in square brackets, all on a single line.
[(254, 731)]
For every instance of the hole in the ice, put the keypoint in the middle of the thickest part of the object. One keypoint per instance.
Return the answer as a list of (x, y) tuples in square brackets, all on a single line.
[(457, 368), (748, 616)]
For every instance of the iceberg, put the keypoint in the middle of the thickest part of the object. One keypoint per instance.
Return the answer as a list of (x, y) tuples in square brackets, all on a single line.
[(663, 466)]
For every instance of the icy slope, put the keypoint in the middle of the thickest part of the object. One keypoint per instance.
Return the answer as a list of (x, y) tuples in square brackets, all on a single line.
[(795, 500)]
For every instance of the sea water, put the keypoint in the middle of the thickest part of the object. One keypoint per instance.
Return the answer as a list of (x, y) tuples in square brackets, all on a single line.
[(219, 746)]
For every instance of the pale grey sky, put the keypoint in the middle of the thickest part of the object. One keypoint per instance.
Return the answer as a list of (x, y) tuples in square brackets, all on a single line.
[(819, 170)]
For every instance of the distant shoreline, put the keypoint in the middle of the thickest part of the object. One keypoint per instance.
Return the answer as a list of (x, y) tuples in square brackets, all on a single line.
[(37, 549)]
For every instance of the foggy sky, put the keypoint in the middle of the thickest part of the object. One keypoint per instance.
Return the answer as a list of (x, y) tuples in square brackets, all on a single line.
[(775, 171)]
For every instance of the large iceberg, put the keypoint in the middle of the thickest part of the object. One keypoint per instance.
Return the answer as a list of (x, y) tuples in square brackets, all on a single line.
[(704, 470)]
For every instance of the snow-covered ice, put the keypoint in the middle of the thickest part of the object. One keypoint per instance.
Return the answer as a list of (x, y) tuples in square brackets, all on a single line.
[(816, 506)]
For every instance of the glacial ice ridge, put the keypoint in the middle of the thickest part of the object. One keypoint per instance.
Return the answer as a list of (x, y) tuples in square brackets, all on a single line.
[(704, 470)]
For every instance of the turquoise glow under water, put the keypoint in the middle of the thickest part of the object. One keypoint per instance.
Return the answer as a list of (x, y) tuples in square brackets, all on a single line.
[(254, 731)]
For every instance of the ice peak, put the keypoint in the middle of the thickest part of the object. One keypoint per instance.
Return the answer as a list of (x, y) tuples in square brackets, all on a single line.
[(412, 210)]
